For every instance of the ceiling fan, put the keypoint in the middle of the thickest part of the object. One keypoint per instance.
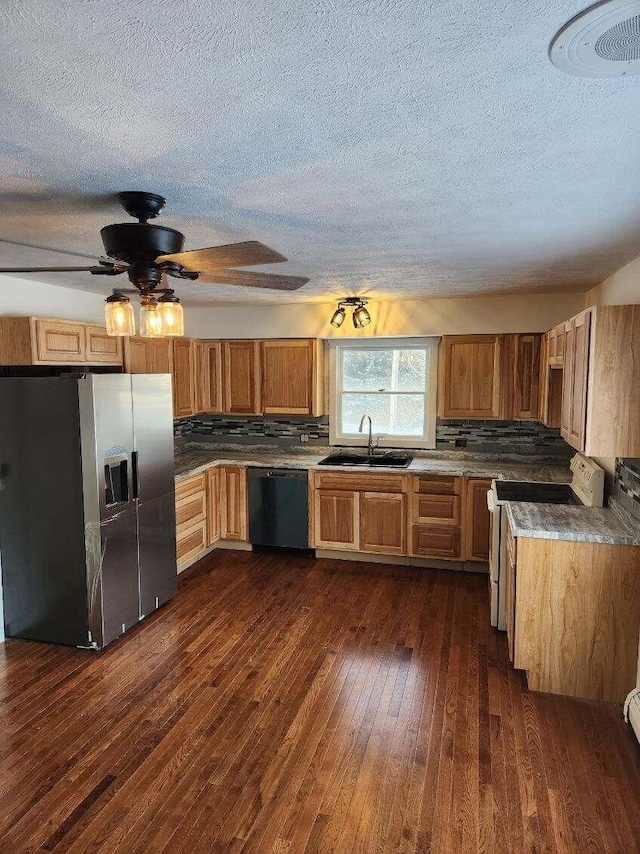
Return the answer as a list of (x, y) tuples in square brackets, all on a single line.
[(146, 252)]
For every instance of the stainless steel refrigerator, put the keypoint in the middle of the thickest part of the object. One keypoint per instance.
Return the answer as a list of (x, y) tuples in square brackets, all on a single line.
[(87, 504)]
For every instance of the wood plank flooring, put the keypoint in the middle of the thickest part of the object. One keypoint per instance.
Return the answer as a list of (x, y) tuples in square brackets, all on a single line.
[(283, 704)]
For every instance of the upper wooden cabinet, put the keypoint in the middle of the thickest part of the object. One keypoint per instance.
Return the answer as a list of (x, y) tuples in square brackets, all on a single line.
[(469, 381), (148, 355), (556, 346), (210, 376), (600, 402), (241, 373), (526, 376), (184, 377), (47, 341), (291, 377)]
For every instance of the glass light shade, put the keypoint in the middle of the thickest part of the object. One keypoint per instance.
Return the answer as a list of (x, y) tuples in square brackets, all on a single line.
[(338, 317), (172, 318), (119, 317), (150, 319), (361, 317)]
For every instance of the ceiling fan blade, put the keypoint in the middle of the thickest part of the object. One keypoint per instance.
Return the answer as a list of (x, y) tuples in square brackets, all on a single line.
[(49, 269), (233, 255), (254, 280), (20, 243)]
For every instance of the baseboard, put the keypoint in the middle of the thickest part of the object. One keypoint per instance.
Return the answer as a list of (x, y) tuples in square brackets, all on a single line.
[(405, 560), (235, 545)]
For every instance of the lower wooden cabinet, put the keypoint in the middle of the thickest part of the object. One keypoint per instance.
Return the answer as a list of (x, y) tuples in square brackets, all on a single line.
[(573, 616), (191, 519), (336, 521), (477, 519), (383, 523), (233, 503), (441, 541), (213, 506)]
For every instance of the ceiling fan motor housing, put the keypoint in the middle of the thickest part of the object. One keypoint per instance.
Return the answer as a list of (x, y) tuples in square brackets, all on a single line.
[(138, 242)]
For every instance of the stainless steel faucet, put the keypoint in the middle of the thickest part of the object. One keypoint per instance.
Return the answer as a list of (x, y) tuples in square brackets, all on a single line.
[(370, 432)]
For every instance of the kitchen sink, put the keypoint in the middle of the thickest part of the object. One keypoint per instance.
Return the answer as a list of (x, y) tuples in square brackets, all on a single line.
[(375, 460)]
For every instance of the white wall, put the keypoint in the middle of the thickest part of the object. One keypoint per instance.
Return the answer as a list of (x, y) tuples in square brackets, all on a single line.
[(439, 316), (23, 297), (623, 288)]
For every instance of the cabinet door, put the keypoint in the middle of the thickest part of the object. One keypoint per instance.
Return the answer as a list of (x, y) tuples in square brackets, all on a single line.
[(212, 376), (383, 523), (159, 355), (579, 384), (135, 355), (441, 541), (57, 341), (183, 377), (233, 503), (470, 376), (574, 391), (241, 363), (288, 377), (336, 519), (567, 384), (526, 376), (102, 348), (477, 520), (213, 506)]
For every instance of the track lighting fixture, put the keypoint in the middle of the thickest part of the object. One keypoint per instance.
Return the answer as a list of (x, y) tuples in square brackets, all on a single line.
[(361, 316)]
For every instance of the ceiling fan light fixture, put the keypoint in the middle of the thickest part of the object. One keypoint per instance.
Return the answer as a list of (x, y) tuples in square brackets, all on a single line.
[(150, 318), (118, 315), (171, 314)]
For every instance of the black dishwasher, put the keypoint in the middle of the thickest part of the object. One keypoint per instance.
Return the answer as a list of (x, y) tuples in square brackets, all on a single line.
[(278, 508)]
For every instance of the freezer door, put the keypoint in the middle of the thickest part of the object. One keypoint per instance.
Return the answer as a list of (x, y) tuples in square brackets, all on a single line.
[(157, 550), (114, 601), (153, 435), (106, 426)]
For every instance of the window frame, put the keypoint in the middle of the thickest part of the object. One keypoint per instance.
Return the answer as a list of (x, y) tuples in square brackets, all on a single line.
[(427, 441)]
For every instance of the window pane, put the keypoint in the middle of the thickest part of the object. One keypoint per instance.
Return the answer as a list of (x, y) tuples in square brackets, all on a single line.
[(384, 370), (366, 370), (397, 414)]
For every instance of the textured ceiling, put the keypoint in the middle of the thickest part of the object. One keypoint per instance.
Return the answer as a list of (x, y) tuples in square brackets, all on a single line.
[(397, 148)]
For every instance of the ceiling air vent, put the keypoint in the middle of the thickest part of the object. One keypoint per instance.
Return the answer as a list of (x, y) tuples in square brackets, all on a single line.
[(602, 41)]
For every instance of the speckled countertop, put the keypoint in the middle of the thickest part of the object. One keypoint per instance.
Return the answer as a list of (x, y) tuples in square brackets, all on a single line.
[(567, 522), (190, 461)]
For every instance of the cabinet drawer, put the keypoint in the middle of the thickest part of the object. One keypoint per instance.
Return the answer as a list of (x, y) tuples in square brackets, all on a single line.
[(436, 541), (191, 543), (191, 485), (191, 510), (361, 482), (432, 484), (441, 509)]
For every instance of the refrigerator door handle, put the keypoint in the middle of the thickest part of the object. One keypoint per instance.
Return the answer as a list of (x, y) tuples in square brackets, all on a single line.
[(134, 475)]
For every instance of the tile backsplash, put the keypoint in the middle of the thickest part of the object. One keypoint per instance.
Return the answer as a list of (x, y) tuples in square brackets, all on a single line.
[(509, 437), (626, 487)]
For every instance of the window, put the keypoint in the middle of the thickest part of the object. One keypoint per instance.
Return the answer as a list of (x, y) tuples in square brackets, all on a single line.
[(393, 381)]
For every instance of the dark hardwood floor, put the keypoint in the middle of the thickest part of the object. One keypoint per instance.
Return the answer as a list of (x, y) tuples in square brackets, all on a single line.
[(286, 704)]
